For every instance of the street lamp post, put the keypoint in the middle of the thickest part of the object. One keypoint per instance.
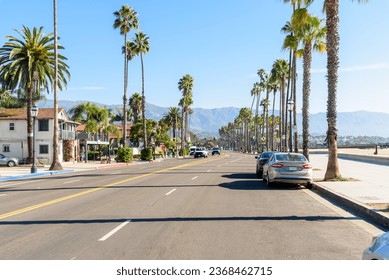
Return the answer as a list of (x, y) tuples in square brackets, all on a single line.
[(290, 109), (34, 114)]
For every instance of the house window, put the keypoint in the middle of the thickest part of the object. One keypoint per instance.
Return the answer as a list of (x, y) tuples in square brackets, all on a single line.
[(43, 149), (11, 126), (43, 125), (6, 148)]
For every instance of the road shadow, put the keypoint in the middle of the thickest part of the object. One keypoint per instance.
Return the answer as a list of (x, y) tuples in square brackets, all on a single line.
[(249, 181), (314, 218)]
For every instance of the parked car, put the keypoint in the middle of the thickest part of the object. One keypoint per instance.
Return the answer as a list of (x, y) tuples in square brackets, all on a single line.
[(216, 151), (9, 161), (288, 168), (201, 152), (192, 150), (379, 248), (261, 160)]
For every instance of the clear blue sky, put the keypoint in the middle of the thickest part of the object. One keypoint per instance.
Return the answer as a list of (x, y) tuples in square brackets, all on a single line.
[(221, 43)]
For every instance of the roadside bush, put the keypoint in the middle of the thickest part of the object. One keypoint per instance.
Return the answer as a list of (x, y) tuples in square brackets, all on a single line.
[(124, 154), (146, 154), (184, 152)]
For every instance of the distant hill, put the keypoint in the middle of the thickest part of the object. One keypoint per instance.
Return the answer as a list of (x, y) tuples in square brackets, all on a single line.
[(206, 122)]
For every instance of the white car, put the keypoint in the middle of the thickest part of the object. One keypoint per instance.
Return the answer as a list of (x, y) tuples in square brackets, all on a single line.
[(379, 249), (201, 152), (8, 161)]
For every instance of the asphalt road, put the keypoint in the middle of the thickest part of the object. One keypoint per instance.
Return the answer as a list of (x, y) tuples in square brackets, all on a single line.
[(213, 208)]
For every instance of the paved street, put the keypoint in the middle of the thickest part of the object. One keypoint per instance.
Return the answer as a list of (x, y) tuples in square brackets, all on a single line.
[(212, 208)]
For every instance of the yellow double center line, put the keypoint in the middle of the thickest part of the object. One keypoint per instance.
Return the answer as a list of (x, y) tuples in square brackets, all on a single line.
[(64, 198)]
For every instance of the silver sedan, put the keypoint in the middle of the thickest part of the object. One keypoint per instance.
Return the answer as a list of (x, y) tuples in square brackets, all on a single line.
[(289, 168), (9, 161)]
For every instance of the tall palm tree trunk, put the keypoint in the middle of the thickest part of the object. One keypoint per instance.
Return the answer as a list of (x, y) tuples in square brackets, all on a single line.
[(143, 103), (294, 80), (186, 126), (182, 129), (256, 122), (55, 165), (272, 121), (289, 94), (332, 22), (307, 61), (29, 123), (124, 132)]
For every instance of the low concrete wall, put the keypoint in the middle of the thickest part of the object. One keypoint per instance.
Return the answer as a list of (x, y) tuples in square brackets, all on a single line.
[(376, 159), (364, 158)]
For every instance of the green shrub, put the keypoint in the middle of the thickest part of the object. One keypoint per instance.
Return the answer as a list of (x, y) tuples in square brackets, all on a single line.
[(124, 154), (146, 154), (184, 152)]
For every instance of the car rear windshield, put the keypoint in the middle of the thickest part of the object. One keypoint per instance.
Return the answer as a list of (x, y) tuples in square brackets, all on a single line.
[(290, 157)]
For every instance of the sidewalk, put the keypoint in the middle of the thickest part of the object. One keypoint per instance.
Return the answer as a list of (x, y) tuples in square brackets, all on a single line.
[(366, 190), (24, 171)]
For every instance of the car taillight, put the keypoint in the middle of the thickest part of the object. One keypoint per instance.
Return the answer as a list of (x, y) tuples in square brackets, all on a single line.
[(307, 166), (277, 165)]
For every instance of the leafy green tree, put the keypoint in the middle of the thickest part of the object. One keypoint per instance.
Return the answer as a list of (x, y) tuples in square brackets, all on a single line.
[(125, 20), (28, 63)]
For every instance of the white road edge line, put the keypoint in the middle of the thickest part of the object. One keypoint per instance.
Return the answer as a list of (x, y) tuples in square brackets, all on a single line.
[(115, 230), (171, 191), (20, 183), (68, 182), (3, 194), (195, 177)]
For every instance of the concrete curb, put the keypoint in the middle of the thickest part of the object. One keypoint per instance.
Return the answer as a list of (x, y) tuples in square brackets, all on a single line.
[(360, 208), (32, 175)]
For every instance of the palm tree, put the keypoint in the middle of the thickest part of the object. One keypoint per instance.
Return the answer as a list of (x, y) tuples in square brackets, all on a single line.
[(140, 45), (291, 42), (256, 93), (136, 106), (263, 77), (185, 85), (172, 119), (265, 104), (273, 86), (55, 165), (125, 20), (309, 30), (280, 71), (28, 63), (332, 23)]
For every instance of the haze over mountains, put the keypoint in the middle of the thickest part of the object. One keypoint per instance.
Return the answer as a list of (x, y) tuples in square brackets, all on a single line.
[(206, 122)]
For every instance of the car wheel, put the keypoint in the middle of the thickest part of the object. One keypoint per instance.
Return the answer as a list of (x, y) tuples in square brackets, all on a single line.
[(268, 182), (11, 163), (257, 173), (309, 185)]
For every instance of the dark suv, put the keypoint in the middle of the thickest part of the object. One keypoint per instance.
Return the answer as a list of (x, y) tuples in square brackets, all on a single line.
[(261, 160), (216, 151)]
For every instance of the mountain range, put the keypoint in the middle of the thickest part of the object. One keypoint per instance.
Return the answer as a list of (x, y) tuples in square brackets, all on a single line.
[(206, 122)]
